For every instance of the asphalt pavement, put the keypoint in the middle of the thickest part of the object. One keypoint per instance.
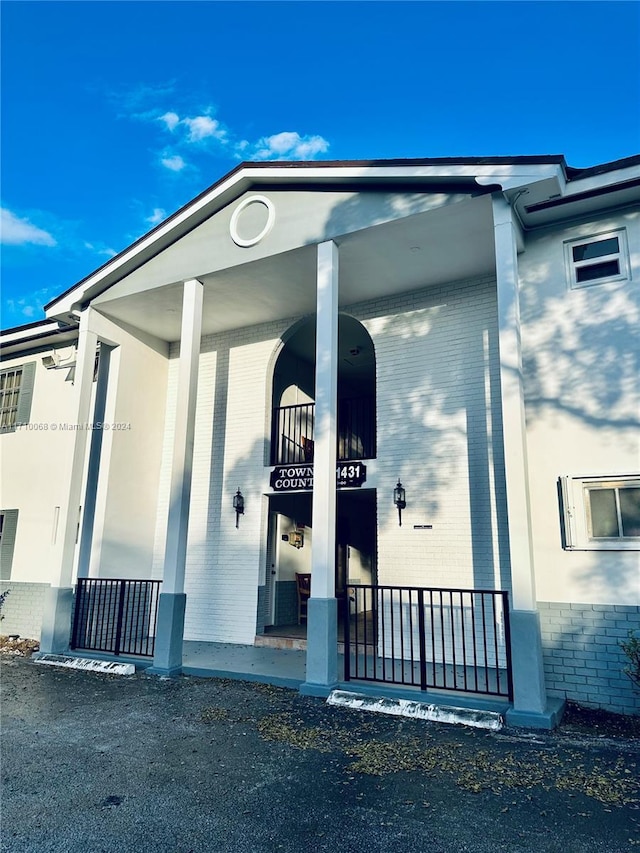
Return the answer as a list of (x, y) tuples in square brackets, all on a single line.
[(111, 764)]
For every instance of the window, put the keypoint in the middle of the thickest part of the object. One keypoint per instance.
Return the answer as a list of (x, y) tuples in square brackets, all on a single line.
[(8, 527), (601, 513), (595, 260), (16, 392)]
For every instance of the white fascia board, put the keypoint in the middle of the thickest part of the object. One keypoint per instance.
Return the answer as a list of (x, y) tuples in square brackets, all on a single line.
[(506, 176), (23, 334), (595, 182), (512, 178), (486, 174)]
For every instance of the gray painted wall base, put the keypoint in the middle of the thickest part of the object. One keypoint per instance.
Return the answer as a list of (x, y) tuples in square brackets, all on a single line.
[(167, 659), (547, 719), (583, 660), (322, 647), (23, 608), (320, 691), (529, 693), (56, 620)]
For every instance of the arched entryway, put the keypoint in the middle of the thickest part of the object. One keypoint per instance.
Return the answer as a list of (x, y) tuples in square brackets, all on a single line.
[(291, 456)]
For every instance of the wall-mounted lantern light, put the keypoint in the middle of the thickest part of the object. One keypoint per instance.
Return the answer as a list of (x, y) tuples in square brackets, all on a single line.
[(399, 499), (238, 504), (296, 538)]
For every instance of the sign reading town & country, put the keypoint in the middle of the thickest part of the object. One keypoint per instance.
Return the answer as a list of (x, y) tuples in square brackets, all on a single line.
[(296, 478)]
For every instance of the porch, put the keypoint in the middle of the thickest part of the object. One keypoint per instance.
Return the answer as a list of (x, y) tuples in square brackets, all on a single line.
[(287, 668), (421, 639)]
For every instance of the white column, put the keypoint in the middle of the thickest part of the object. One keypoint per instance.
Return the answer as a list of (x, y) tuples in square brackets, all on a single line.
[(513, 415), (326, 420), (56, 623), (322, 620), (182, 462), (170, 625), (530, 706)]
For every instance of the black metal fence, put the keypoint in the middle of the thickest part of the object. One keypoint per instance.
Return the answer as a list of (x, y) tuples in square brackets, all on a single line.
[(292, 434), (116, 615), (445, 639)]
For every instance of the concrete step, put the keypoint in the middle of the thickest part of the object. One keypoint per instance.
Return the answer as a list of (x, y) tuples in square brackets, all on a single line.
[(87, 664), (477, 718), (272, 642)]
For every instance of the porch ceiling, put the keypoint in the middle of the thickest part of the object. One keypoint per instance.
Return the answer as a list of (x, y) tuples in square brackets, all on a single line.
[(448, 244)]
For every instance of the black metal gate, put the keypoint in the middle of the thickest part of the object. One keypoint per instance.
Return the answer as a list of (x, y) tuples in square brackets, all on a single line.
[(445, 639), (116, 615)]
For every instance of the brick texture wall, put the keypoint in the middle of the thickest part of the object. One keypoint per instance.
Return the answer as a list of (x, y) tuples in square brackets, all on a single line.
[(23, 608), (582, 658), (439, 429), (225, 564)]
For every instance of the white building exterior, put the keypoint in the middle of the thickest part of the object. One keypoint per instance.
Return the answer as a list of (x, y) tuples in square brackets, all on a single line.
[(469, 327)]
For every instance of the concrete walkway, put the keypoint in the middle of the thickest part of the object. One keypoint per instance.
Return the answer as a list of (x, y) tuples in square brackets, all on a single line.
[(282, 667), (287, 668)]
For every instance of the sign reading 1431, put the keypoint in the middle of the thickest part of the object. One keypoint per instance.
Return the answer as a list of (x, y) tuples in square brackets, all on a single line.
[(351, 474)]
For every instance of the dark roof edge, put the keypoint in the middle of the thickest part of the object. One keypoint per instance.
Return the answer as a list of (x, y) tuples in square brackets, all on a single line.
[(594, 193), (624, 163)]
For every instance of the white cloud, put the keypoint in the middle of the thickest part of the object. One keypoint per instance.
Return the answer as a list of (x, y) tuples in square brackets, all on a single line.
[(16, 231), (104, 250), (202, 127), (28, 307), (195, 128), (172, 120), (198, 132), (289, 145), (157, 216), (174, 162)]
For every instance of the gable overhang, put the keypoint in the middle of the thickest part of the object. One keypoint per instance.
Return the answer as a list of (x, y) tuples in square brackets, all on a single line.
[(36, 337), (541, 177)]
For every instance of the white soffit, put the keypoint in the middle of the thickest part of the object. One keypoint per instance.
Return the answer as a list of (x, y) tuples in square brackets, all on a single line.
[(426, 249)]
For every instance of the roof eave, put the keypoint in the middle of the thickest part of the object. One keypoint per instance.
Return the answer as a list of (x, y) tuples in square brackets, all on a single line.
[(507, 172)]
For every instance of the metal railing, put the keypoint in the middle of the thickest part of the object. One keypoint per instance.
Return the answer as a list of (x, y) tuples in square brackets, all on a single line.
[(292, 433), (445, 639), (116, 615)]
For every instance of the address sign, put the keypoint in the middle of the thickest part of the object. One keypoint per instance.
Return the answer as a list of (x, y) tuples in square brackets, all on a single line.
[(296, 478)]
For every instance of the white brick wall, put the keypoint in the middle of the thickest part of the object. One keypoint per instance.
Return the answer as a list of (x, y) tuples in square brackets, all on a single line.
[(223, 564), (437, 379), (439, 430)]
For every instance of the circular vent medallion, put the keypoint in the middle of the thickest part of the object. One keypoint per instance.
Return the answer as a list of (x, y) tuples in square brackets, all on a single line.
[(252, 220)]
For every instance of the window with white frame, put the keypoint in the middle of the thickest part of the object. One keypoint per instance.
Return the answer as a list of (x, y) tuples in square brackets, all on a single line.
[(601, 513), (16, 392), (10, 381), (597, 259)]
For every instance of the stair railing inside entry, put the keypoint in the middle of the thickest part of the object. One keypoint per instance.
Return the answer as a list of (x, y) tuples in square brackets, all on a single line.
[(444, 639), (292, 434), (116, 615)]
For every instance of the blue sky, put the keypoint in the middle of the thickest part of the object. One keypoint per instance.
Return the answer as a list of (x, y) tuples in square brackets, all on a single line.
[(115, 114)]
